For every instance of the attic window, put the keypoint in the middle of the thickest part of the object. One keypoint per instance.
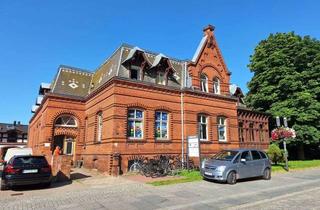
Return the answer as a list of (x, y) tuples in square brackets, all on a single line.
[(134, 72), (161, 78)]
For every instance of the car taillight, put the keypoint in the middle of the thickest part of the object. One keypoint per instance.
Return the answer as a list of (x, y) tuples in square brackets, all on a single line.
[(10, 170), (46, 169)]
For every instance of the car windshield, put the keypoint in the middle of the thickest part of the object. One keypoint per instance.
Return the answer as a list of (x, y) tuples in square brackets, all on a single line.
[(29, 160), (225, 155)]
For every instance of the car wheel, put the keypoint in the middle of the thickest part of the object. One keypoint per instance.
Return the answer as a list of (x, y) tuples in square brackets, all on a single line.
[(232, 178), (267, 174)]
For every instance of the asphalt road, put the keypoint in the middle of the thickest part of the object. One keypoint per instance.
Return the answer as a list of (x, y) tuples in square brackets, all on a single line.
[(294, 190)]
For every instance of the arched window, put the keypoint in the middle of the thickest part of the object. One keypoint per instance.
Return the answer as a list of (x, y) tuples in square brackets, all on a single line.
[(135, 124), (66, 121), (204, 83), (161, 125), (216, 85), (203, 127), (222, 128)]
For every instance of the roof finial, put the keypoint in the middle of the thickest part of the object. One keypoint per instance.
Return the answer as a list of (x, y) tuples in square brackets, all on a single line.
[(208, 29)]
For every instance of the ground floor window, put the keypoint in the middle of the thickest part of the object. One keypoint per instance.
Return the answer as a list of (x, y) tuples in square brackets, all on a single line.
[(202, 123), (161, 125), (222, 134), (135, 124)]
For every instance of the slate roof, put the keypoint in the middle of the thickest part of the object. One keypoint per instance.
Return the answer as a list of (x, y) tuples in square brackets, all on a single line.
[(78, 82), (5, 127)]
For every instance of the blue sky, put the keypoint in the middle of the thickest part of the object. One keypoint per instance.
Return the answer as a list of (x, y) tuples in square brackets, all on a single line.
[(36, 36)]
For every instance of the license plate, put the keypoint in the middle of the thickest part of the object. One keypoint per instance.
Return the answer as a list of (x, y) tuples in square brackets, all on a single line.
[(208, 173), (30, 171)]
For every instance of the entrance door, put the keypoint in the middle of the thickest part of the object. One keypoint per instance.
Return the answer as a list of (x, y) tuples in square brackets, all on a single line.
[(66, 144)]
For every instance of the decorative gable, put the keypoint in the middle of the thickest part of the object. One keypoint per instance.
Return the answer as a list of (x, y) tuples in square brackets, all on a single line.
[(208, 61)]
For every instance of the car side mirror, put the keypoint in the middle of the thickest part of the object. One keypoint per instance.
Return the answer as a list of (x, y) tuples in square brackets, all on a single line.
[(242, 160)]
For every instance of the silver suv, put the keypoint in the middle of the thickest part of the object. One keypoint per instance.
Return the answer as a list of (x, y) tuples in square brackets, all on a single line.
[(231, 165)]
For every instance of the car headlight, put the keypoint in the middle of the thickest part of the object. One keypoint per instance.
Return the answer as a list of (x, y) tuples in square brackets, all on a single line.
[(203, 163), (220, 168)]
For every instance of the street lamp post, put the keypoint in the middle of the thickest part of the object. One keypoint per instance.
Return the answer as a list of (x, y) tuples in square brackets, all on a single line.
[(285, 123)]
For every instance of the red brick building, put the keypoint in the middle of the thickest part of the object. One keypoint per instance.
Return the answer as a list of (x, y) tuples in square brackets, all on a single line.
[(144, 103)]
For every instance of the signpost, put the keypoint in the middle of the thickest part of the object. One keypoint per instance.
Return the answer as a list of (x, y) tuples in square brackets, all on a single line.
[(285, 123), (193, 148)]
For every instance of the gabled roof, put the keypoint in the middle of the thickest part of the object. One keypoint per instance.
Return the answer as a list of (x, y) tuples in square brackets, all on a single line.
[(5, 127), (199, 49)]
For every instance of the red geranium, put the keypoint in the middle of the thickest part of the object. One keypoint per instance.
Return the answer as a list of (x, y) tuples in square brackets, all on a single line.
[(282, 133)]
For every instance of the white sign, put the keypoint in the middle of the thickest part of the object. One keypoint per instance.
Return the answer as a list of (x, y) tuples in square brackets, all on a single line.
[(193, 146), (46, 144)]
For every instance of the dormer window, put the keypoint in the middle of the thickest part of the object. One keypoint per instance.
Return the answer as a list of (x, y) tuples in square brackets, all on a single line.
[(216, 85), (135, 72), (204, 83), (161, 80)]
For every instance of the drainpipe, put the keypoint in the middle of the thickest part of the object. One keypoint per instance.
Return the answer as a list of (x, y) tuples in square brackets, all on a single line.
[(182, 128)]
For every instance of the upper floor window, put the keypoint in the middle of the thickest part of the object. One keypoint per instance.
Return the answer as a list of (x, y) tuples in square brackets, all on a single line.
[(203, 127), (161, 125), (216, 85), (100, 124), (66, 121), (135, 72), (161, 80), (204, 83), (222, 131), (135, 124)]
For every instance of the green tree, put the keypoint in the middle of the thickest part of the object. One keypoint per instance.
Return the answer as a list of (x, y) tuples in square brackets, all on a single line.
[(275, 154), (286, 83)]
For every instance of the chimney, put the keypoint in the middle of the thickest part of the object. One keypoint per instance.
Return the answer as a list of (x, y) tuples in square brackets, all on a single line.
[(19, 123), (14, 123), (208, 30)]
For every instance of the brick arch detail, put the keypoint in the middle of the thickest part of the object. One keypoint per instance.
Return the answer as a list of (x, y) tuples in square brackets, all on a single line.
[(211, 66), (162, 108), (65, 112), (73, 132), (137, 105)]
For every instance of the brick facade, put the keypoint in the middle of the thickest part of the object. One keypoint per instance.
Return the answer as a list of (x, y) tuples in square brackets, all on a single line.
[(114, 98)]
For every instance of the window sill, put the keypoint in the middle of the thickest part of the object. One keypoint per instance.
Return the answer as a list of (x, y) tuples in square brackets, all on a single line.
[(202, 141), (162, 141), (224, 142), (136, 140), (97, 142)]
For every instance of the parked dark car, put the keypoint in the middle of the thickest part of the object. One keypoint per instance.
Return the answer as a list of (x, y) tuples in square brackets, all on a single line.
[(231, 165), (26, 170)]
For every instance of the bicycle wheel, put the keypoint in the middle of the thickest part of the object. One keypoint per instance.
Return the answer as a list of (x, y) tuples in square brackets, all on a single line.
[(135, 167)]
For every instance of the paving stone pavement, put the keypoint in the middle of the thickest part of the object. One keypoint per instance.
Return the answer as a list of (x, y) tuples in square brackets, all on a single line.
[(294, 190)]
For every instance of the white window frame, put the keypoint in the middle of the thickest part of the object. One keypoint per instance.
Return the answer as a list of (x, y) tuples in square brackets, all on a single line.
[(100, 126), (162, 121), (65, 123), (135, 119), (216, 85), (204, 83), (222, 125), (203, 121)]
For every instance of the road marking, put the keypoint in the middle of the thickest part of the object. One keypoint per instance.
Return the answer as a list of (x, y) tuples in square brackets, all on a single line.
[(212, 200), (268, 200)]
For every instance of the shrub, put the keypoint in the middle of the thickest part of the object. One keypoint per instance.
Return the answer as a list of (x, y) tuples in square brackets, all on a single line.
[(275, 154)]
